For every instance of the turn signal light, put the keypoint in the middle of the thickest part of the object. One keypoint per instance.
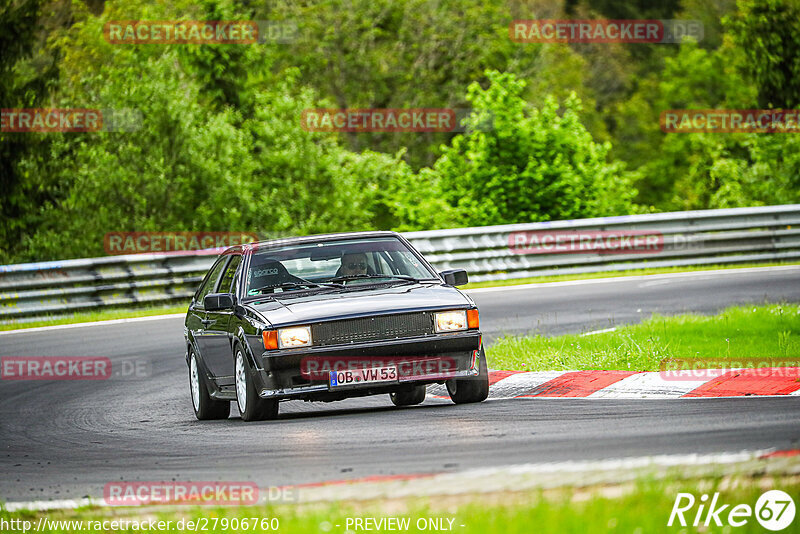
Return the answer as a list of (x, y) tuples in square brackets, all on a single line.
[(472, 319), (270, 338)]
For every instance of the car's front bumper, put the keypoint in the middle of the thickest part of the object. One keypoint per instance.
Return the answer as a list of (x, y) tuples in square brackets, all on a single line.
[(323, 390), (443, 356)]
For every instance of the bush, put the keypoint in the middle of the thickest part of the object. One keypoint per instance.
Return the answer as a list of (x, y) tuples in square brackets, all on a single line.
[(520, 164)]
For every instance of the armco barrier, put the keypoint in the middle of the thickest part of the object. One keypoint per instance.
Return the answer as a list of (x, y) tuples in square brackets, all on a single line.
[(725, 236)]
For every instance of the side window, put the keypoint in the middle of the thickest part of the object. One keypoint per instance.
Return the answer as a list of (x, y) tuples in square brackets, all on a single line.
[(211, 281), (225, 286)]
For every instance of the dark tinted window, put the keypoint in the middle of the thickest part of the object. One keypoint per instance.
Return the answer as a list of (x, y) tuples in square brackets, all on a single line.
[(226, 285), (211, 281), (319, 262)]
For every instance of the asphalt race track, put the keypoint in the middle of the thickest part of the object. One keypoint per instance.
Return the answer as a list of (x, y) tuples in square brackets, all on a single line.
[(67, 439)]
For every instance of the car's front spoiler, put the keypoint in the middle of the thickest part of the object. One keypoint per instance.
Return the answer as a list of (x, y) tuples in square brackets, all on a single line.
[(282, 375), (324, 388)]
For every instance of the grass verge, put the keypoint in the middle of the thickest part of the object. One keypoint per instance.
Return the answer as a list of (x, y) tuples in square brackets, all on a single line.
[(87, 317), (771, 331), (617, 274), (642, 506)]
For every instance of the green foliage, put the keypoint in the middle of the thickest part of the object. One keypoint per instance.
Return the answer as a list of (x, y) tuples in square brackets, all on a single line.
[(220, 146), (690, 168), (148, 179), (191, 166), (529, 164), (768, 31), (704, 170), (27, 70), (305, 182), (414, 53)]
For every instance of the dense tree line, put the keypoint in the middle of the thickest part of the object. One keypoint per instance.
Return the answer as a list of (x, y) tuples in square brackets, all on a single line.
[(555, 131)]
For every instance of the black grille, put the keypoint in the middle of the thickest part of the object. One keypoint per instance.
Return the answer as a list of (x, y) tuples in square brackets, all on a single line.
[(372, 328)]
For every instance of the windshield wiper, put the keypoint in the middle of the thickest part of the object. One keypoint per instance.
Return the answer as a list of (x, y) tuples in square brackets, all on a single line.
[(361, 276), (286, 285), (295, 285)]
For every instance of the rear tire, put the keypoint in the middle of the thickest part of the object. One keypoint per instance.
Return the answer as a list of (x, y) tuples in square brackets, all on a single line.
[(473, 388), (251, 406), (205, 408), (409, 398)]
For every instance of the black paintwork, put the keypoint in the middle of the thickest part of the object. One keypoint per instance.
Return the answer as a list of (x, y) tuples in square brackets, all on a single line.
[(214, 334)]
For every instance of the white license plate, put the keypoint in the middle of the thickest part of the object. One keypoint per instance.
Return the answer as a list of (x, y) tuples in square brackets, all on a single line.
[(354, 377)]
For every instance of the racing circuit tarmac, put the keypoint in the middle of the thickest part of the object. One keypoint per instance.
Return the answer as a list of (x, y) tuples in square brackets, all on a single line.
[(68, 439)]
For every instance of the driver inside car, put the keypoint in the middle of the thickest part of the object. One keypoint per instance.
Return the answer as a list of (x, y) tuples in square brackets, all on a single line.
[(353, 264)]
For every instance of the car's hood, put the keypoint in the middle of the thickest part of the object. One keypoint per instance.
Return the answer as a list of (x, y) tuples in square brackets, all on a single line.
[(356, 302)]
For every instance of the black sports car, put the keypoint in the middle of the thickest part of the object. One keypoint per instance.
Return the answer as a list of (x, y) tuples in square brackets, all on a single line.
[(323, 318)]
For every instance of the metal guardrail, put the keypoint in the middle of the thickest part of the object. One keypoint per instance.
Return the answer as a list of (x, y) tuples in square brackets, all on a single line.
[(725, 236)]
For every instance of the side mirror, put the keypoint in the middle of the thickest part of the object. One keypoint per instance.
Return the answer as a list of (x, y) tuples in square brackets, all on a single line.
[(455, 277), (218, 301)]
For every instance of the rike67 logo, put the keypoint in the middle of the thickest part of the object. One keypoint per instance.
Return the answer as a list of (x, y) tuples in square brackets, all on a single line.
[(774, 510)]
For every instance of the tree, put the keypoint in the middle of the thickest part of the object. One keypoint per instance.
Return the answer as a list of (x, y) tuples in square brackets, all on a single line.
[(521, 164), (694, 78), (192, 163), (415, 53), (687, 171), (28, 69), (768, 31)]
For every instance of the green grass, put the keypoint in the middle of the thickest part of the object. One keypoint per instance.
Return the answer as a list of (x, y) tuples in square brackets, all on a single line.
[(616, 274), (104, 315), (642, 507), (739, 332)]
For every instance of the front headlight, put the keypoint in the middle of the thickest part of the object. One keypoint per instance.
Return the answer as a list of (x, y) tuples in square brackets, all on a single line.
[(450, 321), (296, 336)]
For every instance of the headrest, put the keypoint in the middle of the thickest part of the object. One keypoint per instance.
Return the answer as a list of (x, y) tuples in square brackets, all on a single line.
[(267, 273)]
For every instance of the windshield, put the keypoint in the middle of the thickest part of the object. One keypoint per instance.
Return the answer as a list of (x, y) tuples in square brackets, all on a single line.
[(333, 264)]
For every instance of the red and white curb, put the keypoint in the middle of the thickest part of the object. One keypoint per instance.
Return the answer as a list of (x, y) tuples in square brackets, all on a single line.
[(641, 385)]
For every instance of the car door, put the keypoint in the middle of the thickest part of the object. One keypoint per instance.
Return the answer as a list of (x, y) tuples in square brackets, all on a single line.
[(217, 336), (197, 314), (197, 320)]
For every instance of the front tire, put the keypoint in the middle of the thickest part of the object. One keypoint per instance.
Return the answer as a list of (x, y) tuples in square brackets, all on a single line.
[(205, 408), (471, 389), (251, 406), (409, 398)]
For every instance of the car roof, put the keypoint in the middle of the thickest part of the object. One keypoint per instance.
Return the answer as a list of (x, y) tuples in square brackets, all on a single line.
[(251, 247)]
